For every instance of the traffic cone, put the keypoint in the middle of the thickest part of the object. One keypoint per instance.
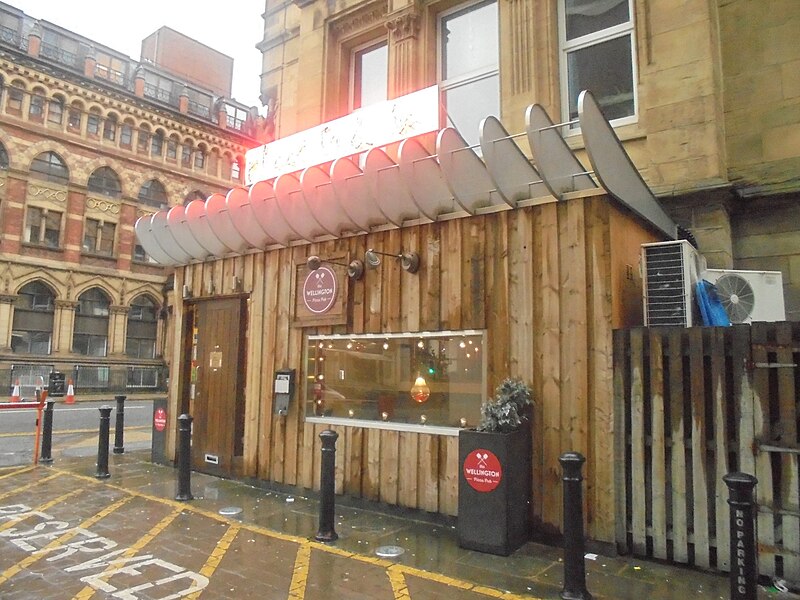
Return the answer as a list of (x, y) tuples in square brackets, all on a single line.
[(15, 392), (70, 397)]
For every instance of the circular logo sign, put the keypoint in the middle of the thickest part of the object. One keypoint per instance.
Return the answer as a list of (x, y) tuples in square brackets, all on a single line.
[(160, 419), (482, 470), (319, 290)]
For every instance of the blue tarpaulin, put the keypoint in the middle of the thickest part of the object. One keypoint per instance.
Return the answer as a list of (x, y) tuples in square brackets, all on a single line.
[(711, 309)]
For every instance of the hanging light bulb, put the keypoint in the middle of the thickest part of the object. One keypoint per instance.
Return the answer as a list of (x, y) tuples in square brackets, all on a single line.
[(385, 345), (461, 344), (420, 391)]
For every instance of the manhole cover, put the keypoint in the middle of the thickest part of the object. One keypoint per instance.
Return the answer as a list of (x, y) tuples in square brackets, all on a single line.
[(230, 511), (389, 551)]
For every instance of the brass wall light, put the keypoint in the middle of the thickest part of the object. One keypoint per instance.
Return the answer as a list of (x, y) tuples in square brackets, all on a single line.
[(355, 270), (409, 261)]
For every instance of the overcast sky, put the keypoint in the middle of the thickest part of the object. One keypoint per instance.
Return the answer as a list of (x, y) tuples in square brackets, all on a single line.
[(233, 27)]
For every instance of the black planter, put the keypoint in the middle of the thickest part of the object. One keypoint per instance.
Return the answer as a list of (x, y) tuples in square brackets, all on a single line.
[(494, 504)]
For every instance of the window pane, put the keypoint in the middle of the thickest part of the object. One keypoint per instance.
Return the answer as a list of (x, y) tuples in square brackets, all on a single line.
[(467, 104), (90, 235), (52, 228), (470, 41), (589, 16), (371, 75), (107, 240), (606, 70)]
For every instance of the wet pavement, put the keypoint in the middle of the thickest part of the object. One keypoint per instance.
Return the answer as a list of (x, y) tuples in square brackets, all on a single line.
[(66, 534)]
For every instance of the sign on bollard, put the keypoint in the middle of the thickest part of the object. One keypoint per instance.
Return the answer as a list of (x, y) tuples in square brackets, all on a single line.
[(744, 552)]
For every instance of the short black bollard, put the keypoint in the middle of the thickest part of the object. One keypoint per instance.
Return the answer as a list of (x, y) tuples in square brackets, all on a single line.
[(47, 433), (184, 458), (327, 504), (119, 433), (102, 443), (744, 557), (574, 544)]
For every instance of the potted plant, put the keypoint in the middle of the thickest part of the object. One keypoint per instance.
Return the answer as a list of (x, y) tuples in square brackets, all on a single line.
[(495, 473)]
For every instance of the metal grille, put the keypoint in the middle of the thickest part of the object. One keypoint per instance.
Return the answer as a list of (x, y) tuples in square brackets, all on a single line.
[(143, 377), (667, 294), (30, 376), (91, 377)]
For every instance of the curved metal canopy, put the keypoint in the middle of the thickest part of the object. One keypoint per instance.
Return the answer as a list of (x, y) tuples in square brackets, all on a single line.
[(179, 225), (219, 219), (244, 219), (293, 206), (163, 236), (201, 230), (268, 215), (425, 180), (318, 191), (388, 187), (148, 241)]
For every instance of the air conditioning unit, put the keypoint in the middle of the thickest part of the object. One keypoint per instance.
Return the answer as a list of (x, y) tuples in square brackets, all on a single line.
[(749, 296), (670, 271)]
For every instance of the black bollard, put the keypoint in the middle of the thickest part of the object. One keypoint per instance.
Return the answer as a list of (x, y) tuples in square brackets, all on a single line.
[(47, 433), (184, 458), (102, 443), (119, 435), (574, 544), (327, 504), (744, 557)]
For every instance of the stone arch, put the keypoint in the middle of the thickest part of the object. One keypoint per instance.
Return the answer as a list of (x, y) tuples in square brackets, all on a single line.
[(149, 291), (43, 277), (97, 282)]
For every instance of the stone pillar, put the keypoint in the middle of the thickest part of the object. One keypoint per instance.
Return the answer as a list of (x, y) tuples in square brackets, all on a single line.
[(118, 327), (183, 100), (403, 29), (222, 114), (35, 40), (6, 320), (63, 325), (90, 63), (138, 82)]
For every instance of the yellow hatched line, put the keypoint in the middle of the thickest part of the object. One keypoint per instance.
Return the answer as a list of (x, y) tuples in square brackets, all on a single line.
[(297, 588), (28, 486), (89, 591), (17, 472), (43, 507), (32, 558), (398, 581), (216, 557), (381, 562), (68, 431)]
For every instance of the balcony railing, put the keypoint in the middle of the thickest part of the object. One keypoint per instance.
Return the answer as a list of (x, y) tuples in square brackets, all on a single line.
[(199, 109), (155, 92), (103, 72), (9, 36), (65, 57)]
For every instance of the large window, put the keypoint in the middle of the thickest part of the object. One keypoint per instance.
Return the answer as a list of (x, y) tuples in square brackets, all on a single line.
[(370, 75), (43, 227), (153, 194), (50, 167), (598, 55), (410, 379), (55, 113), (469, 67), (90, 337), (98, 237), (142, 327), (32, 332), (105, 181)]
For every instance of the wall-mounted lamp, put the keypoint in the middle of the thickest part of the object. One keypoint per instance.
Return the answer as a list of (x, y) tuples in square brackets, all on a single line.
[(409, 261), (355, 270), (186, 293)]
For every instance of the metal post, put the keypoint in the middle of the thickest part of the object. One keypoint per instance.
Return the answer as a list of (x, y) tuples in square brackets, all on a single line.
[(47, 433), (327, 504), (574, 544), (119, 434), (102, 443), (744, 552), (184, 458)]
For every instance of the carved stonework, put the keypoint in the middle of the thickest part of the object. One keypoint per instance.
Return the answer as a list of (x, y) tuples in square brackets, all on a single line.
[(403, 26), (359, 21), (144, 213), (7, 299), (65, 304), (118, 310), (103, 205), (39, 192)]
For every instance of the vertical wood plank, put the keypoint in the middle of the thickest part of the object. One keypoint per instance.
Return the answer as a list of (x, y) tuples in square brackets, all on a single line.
[(448, 475), (718, 491), (431, 277), (307, 472), (743, 395), (787, 402), (680, 534), (390, 464), (621, 406), (473, 273), (266, 362), (253, 270), (658, 473), (354, 437), (372, 466), (393, 279), (411, 284), (699, 464), (638, 434), (408, 470), (428, 472), (450, 278)]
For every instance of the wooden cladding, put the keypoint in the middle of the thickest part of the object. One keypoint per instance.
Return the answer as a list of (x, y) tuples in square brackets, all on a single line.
[(543, 281)]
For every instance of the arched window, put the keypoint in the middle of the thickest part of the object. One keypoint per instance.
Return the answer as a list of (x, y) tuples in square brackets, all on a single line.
[(142, 327), (90, 337), (3, 158), (195, 195), (110, 128), (93, 122), (32, 331), (50, 167), (153, 194), (55, 111), (105, 181), (36, 107), (236, 170)]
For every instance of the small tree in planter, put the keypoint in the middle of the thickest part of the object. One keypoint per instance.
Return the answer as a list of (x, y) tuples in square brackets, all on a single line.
[(495, 480)]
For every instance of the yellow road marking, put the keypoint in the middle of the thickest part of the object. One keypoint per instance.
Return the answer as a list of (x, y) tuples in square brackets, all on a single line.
[(17, 472), (398, 581), (216, 556), (297, 588), (69, 431), (28, 486), (89, 591), (381, 562), (32, 558)]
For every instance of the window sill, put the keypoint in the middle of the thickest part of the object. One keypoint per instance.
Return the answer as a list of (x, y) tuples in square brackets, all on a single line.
[(42, 247), (386, 425), (108, 257)]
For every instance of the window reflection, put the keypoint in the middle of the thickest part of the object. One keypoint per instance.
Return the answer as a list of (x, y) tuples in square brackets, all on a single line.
[(432, 379)]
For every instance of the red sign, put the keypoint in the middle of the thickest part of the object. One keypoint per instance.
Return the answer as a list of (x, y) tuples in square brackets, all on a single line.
[(482, 470), (160, 419), (319, 290)]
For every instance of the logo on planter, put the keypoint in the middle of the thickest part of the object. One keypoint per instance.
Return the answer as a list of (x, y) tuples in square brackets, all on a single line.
[(482, 470)]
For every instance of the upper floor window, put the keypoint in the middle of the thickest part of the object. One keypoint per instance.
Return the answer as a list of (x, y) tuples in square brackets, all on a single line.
[(4, 164), (597, 49), (153, 193), (74, 118), (110, 128), (469, 66), (32, 330), (172, 149), (110, 68), (140, 341), (55, 111), (236, 170), (199, 159), (186, 156), (36, 108), (370, 75), (157, 144), (143, 142), (14, 101), (235, 117), (105, 181), (98, 237), (43, 227), (50, 167), (93, 124), (126, 136)]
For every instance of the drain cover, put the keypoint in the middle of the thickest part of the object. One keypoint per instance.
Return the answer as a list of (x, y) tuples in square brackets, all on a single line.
[(389, 551), (230, 511)]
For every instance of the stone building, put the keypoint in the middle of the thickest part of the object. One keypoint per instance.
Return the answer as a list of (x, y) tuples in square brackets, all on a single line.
[(91, 140)]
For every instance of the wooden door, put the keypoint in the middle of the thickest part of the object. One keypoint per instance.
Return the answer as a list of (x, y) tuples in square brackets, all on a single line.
[(218, 403)]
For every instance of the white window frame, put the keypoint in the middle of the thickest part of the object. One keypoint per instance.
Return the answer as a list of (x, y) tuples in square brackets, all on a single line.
[(587, 41), (360, 50), (473, 76)]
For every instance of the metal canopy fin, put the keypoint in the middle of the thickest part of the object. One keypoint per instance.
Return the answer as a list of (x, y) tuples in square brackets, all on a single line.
[(147, 241)]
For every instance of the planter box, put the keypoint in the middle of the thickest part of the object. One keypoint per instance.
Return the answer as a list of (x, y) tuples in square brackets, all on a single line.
[(494, 490)]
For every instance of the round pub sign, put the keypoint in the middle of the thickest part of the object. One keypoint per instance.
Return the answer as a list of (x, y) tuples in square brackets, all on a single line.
[(482, 470), (319, 290), (160, 419)]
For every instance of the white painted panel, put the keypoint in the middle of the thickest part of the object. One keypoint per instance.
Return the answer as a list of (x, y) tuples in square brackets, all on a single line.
[(179, 225), (163, 236), (425, 180), (244, 218), (219, 220), (318, 191), (293, 206), (147, 241), (269, 216), (198, 225), (388, 188)]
